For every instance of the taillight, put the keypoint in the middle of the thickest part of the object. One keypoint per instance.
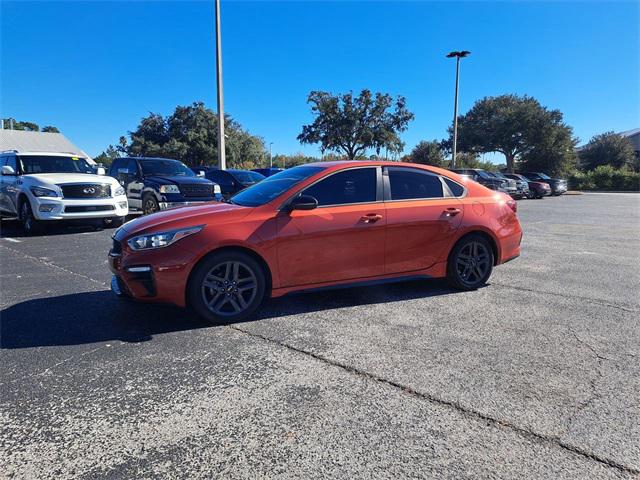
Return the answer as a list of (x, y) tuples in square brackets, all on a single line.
[(513, 205)]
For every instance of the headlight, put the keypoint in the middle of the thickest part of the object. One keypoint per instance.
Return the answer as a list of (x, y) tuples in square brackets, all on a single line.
[(161, 239), (119, 191), (169, 189), (43, 192)]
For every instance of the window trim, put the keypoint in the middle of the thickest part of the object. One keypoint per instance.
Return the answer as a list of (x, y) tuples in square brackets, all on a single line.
[(379, 188), (446, 192)]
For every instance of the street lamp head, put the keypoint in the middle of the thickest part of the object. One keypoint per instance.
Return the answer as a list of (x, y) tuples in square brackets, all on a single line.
[(461, 54)]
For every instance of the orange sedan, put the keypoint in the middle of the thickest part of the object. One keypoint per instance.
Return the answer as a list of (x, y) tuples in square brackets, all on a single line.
[(316, 226)]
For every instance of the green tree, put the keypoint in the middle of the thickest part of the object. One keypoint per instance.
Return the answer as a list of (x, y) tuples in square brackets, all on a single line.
[(50, 129), (608, 149), (521, 129), (427, 153), (190, 134), (351, 125), (107, 156), (27, 126)]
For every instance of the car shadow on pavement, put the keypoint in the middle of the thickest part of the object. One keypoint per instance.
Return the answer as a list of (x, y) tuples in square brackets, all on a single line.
[(91, 317), (11, 228)]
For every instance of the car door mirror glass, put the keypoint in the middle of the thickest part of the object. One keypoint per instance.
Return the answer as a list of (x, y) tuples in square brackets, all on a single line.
[(8, 170), (303, 202), (101, 171)]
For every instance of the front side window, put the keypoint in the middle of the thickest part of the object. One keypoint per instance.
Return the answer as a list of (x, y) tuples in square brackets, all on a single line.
[(31, 164), (406, 184), (274, 186), (165, 167), (357, 185), (11, 162)]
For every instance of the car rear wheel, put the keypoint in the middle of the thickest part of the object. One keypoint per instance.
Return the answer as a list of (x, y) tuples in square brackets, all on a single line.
[(470, 263), (227, 287), (149, 204), (30, 225)]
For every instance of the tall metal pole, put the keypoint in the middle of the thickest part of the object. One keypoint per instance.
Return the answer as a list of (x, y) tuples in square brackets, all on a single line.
[(455, 116), (222, 163)]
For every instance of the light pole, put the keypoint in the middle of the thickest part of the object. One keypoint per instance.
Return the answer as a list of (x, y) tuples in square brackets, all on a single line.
[(222, 163), (270, 156), (458, 56)]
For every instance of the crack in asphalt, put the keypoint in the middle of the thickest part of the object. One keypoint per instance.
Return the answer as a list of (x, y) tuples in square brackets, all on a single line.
[(52, 265), (597, 301), (554, 440), (593, 382)]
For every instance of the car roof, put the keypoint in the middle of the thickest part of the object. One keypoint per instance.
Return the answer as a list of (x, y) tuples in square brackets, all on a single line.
[(148, 158), (46, 154)]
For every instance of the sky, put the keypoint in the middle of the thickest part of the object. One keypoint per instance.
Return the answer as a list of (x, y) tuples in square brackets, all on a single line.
[(94, 69)]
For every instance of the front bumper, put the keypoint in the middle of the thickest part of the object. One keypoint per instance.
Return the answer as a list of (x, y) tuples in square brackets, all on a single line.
[(167, 205), (55, 208)]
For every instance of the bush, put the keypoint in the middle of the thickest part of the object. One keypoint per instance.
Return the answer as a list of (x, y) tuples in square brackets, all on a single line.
[(605, 177)]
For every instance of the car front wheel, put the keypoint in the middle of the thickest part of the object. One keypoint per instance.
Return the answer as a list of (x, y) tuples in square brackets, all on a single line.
[(29, 223), (227, 287), (149, 204), (470, 263)]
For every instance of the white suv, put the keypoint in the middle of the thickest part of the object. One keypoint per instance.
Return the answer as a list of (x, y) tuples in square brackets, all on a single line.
[(39, 187)]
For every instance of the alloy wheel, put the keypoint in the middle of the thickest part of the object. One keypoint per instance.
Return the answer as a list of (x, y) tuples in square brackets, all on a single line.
[(27, 217), (473, 262), (229, 288), (150, 206)]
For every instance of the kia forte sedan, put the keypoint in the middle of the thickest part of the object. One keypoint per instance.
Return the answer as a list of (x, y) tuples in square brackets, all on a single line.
[(316, 226)]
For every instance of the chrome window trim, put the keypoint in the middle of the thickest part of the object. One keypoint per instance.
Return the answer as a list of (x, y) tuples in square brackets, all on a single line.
[(446, 192)]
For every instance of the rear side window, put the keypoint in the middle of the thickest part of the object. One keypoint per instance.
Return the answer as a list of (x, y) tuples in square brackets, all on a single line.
[(407, 184), (357, 185), (456, 189)]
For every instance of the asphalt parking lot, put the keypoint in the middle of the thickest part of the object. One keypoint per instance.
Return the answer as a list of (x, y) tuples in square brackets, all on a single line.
[(535, 376)]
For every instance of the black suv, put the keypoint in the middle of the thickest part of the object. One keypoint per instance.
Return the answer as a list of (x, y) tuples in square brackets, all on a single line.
[(231, 181), (558, 185), (154, 184), (483, 178)]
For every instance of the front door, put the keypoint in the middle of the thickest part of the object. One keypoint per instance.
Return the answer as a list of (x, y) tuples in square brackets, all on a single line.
[(342, 239), (421, 220)]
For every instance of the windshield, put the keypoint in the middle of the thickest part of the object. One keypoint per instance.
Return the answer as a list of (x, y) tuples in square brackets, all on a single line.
[(166, 168), (543, 176), (498, 174), (273, 186), (54, 164), (247, 177), (483, 174)]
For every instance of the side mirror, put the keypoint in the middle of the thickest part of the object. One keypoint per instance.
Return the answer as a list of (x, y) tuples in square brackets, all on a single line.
[(8, 170), (303, 202), (200, 173), (101, 171)]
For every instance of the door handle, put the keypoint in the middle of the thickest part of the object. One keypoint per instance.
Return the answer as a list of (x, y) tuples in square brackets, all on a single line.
[(371, 218), (452, 212)]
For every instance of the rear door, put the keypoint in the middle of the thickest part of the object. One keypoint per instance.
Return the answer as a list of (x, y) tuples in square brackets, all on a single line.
[(343, 238), (422, 219)]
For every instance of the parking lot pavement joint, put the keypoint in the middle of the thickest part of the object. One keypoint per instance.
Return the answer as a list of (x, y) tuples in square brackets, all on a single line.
[(578, 297), (538, 437), (52, 265)]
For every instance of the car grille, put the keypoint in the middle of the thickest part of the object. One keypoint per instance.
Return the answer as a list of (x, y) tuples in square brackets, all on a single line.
[(196, 190), (88, 208), (86, 190)]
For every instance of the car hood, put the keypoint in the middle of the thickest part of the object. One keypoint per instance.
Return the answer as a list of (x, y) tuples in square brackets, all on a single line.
[(181, 217), (62, 178), (177, 180)]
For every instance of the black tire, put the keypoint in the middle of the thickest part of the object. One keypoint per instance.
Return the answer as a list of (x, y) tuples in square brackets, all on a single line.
[(149, 204), (112, 222), (220, 293), (470, 263), (30, 225)]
